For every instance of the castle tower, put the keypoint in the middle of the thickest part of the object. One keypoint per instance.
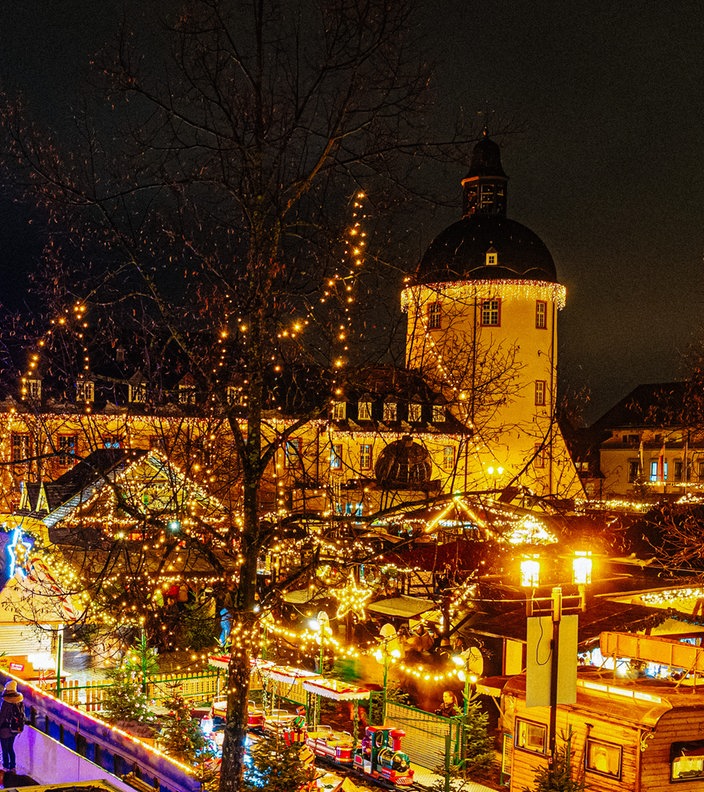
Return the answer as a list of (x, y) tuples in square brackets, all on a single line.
[(482, 328)]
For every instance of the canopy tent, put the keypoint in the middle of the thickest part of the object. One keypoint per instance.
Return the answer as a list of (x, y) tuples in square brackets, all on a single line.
[(402, 607), (335, 689), (289, 675)]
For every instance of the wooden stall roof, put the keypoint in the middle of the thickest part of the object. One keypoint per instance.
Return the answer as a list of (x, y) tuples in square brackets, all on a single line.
[(404, 607), (639, 702), (600, 615)]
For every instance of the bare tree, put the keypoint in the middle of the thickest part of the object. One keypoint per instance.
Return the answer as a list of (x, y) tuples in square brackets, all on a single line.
[(196, 215)]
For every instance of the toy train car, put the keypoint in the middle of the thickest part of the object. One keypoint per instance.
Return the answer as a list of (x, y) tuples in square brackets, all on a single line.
[(379, 757)]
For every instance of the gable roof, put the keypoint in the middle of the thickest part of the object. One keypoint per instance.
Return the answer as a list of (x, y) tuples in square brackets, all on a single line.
[(53, 501)]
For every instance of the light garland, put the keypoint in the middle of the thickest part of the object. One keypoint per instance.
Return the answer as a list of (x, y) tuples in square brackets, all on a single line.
[(510, 289)]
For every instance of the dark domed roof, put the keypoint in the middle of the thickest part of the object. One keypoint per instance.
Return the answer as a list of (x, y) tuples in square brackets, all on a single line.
[(459, 252), (403, 463)]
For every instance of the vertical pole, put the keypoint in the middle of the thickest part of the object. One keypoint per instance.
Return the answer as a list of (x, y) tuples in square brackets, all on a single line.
[(143, 652), (386, 674), (59, 658), (448, 748), (554, 667)]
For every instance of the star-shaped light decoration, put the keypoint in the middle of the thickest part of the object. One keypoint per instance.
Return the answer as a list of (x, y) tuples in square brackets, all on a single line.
[(19, 550), (352, 598)]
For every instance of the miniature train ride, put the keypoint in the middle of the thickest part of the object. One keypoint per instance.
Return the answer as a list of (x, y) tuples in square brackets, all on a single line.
[(378, 757)]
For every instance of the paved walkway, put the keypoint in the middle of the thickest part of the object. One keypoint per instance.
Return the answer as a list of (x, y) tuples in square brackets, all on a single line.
[(427, 778)]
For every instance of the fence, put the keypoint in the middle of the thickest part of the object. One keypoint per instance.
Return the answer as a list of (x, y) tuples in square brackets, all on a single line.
[(426, 734), (90, 695)]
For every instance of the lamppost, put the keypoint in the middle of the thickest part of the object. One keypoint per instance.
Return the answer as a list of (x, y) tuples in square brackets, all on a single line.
[(467, 662), (387, 650), (551, 613), (496, 473)]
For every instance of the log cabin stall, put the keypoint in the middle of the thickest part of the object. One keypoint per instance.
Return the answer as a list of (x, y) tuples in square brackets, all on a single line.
[(626, 734)]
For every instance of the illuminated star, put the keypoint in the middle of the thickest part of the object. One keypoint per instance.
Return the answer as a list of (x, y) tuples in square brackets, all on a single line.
[(352, 598)]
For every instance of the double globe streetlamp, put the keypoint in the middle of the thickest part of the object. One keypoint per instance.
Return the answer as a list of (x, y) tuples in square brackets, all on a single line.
[(551, 610)]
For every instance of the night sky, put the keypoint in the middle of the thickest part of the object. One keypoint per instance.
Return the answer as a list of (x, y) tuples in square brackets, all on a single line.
[(606, 101)]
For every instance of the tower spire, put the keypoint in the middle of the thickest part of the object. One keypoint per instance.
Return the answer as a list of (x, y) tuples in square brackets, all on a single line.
[(485, 184)]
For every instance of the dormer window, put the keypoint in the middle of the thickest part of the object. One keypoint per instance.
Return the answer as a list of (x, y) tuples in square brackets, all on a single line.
[(415, 411), (438, 413), (85, 391), (339, 411), (234, 395), (32, 388), (186, 394), (137, 389), (390, 410), (187, 390), (364, 409), (492, 257)]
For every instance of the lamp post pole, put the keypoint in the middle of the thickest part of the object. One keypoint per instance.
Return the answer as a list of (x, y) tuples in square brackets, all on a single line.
[(554, 666)]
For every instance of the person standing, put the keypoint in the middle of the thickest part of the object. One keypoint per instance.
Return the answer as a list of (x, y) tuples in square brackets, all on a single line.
[(11, 723)]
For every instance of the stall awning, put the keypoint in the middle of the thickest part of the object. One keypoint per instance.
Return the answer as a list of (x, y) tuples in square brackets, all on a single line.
[(335, 689), (287, 674), (402, 607)]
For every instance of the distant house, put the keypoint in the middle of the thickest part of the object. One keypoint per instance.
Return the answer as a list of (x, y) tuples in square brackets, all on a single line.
[(652, 442)]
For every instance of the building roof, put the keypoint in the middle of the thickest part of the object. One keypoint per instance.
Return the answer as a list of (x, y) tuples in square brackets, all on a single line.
[(459, 253), (651, 404)]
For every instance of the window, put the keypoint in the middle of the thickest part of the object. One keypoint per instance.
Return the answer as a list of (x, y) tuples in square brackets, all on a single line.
[(292, 453), (414, 412), (67, 450), (20, 448), (539, 456), (679, 467), (540, 390), (390, 409), (339, 411), (434, 316), (85, 391), (234, 395), (603, 758), (448, 458), (492, 258), (491, 313), (137, 393), (633, 470), (700, 469), (112, 441), (33, 389), (186, 394), (364, 410), (687, 761), (365, 456), (658, 469), (530, 736), (336, 457), (541, 314), (438, 413)]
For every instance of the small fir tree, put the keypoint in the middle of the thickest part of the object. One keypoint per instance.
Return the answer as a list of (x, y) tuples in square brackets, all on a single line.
[(126, 699), (275, 766), (181, 735), (559, 777), (478, 743)]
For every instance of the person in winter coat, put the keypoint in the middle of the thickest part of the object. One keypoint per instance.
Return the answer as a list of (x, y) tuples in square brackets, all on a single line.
[(11, 723)]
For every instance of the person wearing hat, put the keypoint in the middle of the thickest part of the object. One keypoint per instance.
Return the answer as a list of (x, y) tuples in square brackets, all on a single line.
[(11, 723)]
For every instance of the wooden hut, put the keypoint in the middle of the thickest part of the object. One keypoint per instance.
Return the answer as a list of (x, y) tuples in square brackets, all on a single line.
[(630, 735)]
